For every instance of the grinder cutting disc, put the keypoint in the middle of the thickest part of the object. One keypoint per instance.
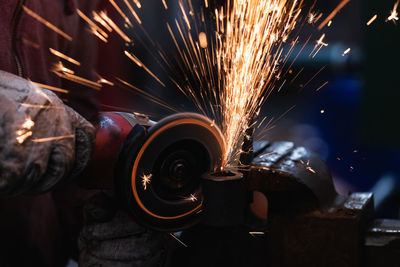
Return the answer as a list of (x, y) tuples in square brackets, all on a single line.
[(163, 188)]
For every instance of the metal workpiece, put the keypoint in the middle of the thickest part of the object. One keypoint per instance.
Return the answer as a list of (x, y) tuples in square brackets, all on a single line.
[(309, 224), (225, 198), (382, 243), (285, 169)]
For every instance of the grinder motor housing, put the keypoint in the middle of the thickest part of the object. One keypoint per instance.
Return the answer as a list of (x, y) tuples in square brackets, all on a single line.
[(157, 166)]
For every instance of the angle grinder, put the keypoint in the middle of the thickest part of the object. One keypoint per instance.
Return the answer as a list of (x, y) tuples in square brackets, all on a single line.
[(155, 168)]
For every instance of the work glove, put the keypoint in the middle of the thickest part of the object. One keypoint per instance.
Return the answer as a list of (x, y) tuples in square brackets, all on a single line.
[(42, 141), (111, 237)]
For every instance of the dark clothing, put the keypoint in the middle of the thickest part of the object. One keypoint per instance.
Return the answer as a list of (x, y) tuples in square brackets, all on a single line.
[(25, 44), (42, 230)]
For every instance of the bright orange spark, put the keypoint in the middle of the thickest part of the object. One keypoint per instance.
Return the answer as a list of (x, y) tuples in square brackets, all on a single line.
[(92, 25), (46, 23), (110, 22), (185, 17), (51, 88), (53, 138), (164, 4), (148, 96), (68, 74), (137, 3), (394, 15), (104, 81), (100, 20), (319, 45), (267, 154), (40, 106), (146, 179), (21, 137), (309, 168), (246, 50), (192, 198), (28, 124), (346, 51), (247, 63), (98, 35), (333, 14), (140, 64), (121, 12), (311, 18), (134, 14), (59, 67), (80, 80), (25, 131), (203, 40), (319, 88), (61, 55), (372, 19), (318, 17)]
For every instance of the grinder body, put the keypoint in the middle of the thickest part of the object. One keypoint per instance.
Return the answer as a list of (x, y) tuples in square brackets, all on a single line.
[(111, 131), (155, 168)]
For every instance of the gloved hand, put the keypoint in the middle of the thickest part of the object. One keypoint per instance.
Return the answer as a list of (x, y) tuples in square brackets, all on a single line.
[(111, 237), (41, 140)]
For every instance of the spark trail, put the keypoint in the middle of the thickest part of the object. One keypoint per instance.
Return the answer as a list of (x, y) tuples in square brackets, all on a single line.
[(249, 55)]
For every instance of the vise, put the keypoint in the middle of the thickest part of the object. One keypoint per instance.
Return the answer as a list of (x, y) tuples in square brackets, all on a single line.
[(308, 223)]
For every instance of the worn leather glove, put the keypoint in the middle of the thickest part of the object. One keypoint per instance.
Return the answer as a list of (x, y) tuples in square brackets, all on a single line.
[(41, 140), (111, 237)]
